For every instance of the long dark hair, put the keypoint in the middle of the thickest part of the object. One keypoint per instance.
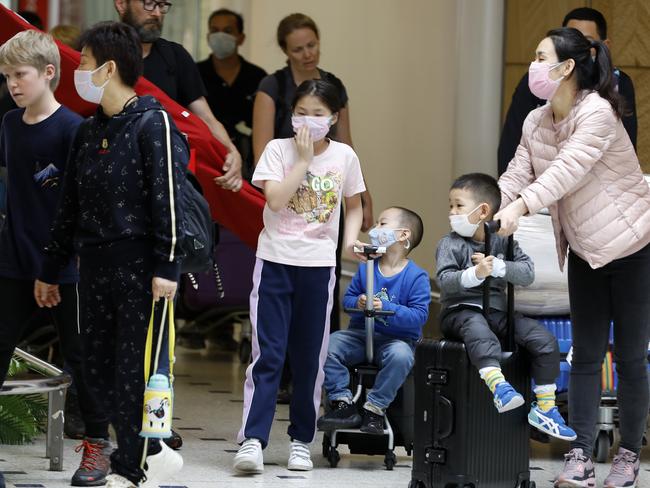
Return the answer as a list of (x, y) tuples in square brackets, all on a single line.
[(595, 75)]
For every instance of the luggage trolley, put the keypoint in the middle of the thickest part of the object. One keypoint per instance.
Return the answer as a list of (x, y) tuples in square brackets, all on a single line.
[(362, 377)]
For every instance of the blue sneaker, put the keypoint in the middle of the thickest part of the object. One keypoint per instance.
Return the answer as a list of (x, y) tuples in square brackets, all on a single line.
[(551, 423), (506, 397)]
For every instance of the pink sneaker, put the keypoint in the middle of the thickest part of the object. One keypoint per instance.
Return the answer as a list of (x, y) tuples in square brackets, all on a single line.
[(578, 471), (625, 470)]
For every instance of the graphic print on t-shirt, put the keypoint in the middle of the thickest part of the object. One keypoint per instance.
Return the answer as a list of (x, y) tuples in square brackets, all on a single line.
[(383, 295), (47, 177), (317, 197)]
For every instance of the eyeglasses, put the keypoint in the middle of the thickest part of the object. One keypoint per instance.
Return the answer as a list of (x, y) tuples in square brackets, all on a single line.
[(150, 6)]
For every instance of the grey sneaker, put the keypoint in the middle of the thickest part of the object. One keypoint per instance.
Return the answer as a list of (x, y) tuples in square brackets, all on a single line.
[(578, 471), (625, 470)]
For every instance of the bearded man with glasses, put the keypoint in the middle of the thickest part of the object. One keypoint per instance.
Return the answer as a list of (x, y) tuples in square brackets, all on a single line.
[(171, 68)]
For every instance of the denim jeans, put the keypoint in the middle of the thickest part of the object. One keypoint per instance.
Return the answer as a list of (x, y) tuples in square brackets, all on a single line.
[(394, 357)]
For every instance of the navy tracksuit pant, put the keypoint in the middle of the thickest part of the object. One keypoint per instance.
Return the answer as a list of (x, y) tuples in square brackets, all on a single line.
[(290, 313)]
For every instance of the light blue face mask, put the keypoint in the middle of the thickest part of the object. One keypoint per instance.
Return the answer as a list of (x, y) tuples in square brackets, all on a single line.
[(383, 237)]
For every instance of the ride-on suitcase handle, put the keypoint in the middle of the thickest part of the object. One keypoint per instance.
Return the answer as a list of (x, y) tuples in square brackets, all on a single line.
[(371, 253), (492, 227)]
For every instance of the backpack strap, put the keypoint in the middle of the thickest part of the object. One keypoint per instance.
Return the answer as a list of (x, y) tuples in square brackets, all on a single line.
[(280, 101)]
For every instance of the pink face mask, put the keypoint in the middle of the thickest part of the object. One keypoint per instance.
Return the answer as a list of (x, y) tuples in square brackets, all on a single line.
[(539, 82), (318, 126)]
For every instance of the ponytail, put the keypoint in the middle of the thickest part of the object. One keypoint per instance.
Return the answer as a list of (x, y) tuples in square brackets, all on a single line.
[(591, 74), (603, 78)]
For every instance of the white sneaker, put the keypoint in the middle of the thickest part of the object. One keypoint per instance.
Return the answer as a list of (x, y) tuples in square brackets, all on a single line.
[(117, 481), (299, 457), (249, 458), (161, 466)]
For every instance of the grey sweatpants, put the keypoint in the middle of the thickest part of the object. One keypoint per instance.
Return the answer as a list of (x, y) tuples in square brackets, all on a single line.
[(484, 349)]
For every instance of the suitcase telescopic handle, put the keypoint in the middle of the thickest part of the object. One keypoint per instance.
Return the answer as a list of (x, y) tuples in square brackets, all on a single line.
[(490, 228)]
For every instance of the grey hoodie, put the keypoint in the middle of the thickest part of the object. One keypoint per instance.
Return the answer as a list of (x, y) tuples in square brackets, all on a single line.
[(454, 255)]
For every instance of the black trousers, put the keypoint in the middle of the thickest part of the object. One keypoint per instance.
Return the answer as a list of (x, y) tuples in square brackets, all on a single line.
[(115, 310), (481, 340), (18, 305), (618, 292)]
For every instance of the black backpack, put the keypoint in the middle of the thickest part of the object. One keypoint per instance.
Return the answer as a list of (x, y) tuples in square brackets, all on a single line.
[(198, 242)]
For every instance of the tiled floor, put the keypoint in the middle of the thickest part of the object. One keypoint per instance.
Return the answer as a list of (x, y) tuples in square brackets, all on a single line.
[(208, 410)]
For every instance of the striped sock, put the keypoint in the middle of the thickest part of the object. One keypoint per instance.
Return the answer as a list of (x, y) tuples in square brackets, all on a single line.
[(545, 397), (492, 377)]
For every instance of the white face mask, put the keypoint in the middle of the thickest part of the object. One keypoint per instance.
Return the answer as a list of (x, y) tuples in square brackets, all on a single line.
[(87, 90), (222, 44), (461, 225)]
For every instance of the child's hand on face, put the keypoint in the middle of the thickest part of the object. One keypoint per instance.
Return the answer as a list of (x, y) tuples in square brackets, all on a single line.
[(477, 257), (484, 267), (304, 144)]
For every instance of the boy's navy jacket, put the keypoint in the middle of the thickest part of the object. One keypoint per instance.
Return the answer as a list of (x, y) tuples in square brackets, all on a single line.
[(408, 294), (454, 256), (120, 194), (35, 156)]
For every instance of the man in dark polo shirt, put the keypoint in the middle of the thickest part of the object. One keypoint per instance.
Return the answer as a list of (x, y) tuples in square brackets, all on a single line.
[(231, 81), (170, 67), (593, 26)]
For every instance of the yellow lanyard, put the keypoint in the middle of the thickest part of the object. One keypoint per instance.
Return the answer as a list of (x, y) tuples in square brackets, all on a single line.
[(171, 339)]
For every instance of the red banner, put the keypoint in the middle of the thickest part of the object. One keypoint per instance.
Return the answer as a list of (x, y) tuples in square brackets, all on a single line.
[(240, 212)]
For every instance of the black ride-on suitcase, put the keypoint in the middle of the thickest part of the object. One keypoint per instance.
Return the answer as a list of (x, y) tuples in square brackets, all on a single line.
[(398, 429), (461, 441)]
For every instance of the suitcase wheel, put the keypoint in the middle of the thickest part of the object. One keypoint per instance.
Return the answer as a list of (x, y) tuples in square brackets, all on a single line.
[(333, 457), (603, 443), (389, 460), (416, 484), (326, 445)]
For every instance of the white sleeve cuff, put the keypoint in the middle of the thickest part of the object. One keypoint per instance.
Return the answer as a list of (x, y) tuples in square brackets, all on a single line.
[(469, 279), (498, 268)]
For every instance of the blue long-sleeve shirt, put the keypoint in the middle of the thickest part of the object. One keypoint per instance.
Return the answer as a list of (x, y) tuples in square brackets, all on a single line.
[(407, 293)]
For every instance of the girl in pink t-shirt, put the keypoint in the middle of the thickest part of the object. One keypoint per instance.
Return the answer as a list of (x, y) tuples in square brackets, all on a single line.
[(304, 180)]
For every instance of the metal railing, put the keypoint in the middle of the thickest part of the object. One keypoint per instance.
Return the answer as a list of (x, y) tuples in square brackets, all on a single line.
[(55, 383)]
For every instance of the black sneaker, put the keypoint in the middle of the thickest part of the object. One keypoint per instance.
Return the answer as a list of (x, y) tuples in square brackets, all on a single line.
[(372, 423), (284, 396), (175, 441), (342, 416), (95, 463)]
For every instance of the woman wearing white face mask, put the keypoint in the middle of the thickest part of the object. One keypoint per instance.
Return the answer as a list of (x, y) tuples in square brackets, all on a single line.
[(576, 158), (120, 210)]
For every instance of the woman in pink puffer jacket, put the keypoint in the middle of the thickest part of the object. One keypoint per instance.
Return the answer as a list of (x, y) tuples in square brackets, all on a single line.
[(576, 158)]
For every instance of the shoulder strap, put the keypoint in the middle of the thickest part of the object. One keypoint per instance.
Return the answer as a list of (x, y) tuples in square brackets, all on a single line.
[(280, 102)]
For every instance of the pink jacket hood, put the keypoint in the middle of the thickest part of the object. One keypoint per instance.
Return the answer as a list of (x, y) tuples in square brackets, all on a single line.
[(585, 170)]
